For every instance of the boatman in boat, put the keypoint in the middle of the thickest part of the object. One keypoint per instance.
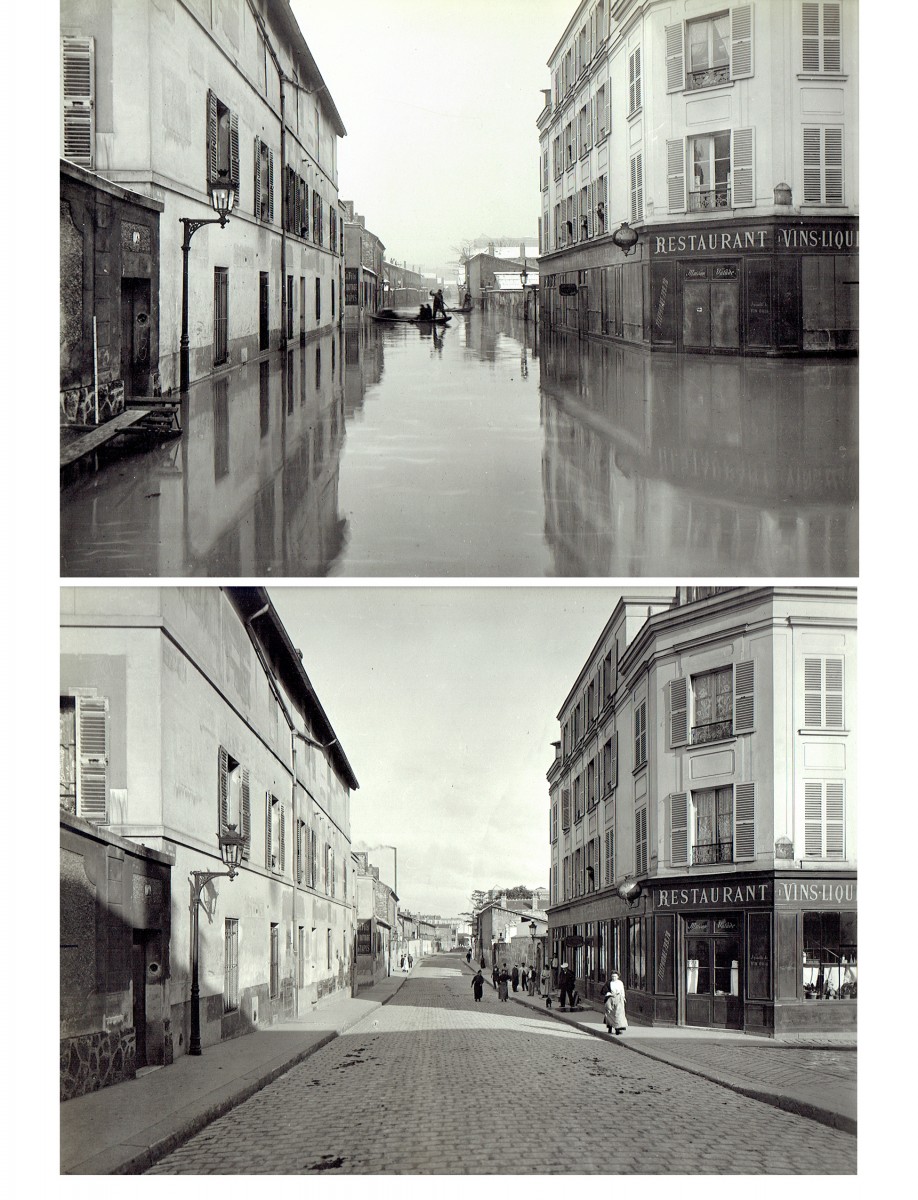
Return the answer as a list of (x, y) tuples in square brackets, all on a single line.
[(438, 305)]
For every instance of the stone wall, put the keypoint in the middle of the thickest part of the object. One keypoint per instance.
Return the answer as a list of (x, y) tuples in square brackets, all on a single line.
[(95, 1061)]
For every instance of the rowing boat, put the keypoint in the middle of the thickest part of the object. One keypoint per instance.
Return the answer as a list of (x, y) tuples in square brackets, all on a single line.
[(400, 318)]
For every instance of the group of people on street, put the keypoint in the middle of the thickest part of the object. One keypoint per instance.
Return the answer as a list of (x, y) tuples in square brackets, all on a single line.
[(426, 313), (613, 997), (406, 962)]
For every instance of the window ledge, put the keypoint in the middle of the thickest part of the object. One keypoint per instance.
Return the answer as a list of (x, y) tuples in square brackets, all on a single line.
[(814, 76), (725, 741), (640, 767), (711, 87), (636, 113), (819, 731)]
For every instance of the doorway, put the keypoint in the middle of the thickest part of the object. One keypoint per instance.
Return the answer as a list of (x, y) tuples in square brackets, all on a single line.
[(710, 307), (713, 987), (264, 335), (135, 336)]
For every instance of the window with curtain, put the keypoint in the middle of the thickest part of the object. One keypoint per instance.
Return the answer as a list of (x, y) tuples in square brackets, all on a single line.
[(713, 825), (830, 955)]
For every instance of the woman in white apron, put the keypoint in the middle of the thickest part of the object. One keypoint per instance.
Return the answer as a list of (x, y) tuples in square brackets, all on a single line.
[(614, 1011)]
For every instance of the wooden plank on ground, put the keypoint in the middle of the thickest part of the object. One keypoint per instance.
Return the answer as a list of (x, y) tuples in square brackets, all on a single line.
[(92, 441)]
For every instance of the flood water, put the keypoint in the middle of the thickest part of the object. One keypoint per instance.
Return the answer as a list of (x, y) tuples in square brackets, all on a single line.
[(484, 450)]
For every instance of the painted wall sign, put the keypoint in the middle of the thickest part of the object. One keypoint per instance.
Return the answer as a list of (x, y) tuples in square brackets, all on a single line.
[(696, 273), (567, 289), (725, 272), (816, 894), (710, 241), (350, 285), (716, 895)]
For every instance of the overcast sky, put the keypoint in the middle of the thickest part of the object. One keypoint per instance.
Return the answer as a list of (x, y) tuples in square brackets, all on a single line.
[(444, 700), (440, 100)]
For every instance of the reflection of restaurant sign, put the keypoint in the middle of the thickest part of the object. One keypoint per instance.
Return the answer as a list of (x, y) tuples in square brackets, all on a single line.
[(350, 285), (821, 892), (567, 289), (730, 240), (715, 895)]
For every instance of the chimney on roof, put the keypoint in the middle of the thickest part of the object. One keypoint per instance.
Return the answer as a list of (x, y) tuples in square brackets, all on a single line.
[(491, 249)]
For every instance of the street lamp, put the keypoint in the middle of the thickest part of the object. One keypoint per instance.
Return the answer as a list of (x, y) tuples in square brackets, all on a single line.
[(625, 238), (223, 199), (232, 845)]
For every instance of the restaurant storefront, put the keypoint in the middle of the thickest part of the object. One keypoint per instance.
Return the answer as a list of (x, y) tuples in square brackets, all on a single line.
[(771, 287), (775, 954)]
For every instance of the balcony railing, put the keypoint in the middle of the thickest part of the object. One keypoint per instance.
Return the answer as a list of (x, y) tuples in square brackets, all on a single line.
[(709, 199), (715, 852), (714, 732), (709, 77)]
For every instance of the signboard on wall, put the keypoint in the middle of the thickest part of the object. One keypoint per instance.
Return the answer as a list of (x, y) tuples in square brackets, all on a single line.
[(364, 937), (351, 287)]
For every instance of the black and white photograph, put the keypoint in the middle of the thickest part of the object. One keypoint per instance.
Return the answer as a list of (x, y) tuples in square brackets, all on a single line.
[(453, 580)]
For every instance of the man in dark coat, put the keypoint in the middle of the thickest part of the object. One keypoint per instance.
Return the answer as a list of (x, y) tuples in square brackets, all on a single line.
[(566, 984), (515, 977), (502, 980), (477, 985)]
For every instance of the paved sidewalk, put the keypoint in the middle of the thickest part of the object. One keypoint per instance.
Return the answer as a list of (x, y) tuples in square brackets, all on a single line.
[(813, 1075), (124, 1129)]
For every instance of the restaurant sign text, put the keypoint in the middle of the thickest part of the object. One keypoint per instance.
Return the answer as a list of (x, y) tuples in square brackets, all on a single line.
[(731, 240), (717, 895)]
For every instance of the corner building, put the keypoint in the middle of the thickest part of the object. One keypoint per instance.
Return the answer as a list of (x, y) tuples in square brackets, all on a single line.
[(703, 810), (726, 138)]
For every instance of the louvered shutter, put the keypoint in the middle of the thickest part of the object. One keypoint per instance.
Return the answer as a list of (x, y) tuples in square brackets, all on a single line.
[(92, 754), (305, 229), (78, 93), (257, 206), (590, 126), (744, 822), (245, 817), (637, 187), (282, 839), (591, 193), (834, 167), (811, 56), (213, 164), (812, 819), (565, 809), (821, 48), (675, 58), (640, 849), (835, 819), (270, 185), (634, 80), (741, 59), (234, 153), (744, 697), (812, 692), (675, 174), (678, 834), (331, 870), (610, 855), (831, 37), (222, 789), (299, 852), (269, 858), (678, 712), (834, 713), (607, 109), (313, 857), (615, 759), (743, 164), (812, 165)]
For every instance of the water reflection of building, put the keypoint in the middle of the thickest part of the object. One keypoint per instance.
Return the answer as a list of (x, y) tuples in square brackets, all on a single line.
[(728, 139), (703, 815), (663, 464), (363, 364), (252, 489)]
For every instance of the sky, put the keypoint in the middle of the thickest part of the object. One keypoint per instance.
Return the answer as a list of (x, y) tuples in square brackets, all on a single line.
[(445, 701), (440, 100)]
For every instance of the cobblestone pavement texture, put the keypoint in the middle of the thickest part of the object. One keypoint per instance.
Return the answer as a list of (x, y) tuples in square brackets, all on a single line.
[(451, 1073), (774, 1066)]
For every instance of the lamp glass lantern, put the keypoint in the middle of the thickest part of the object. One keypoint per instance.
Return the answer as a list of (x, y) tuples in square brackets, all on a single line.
[(223, 199), (524, 277), (625, 238), (232, 844)]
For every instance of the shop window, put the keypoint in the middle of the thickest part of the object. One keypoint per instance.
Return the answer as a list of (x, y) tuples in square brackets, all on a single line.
[(230, 965), (274, 977), (830, 955), (821, 38), (713, 840), (637, 954)]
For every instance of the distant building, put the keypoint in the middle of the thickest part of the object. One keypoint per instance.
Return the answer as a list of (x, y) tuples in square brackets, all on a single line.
[(703, 823), (482, 269), (364, 255), (699, 176), (185, 711), (377, 935), (504, 934)]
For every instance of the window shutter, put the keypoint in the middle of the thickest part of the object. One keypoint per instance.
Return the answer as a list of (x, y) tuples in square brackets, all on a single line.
[(675, 174), (744, 822), (812, 819), (305, 230), (607, 109), (610, 855), (834, 168), (269, 863), (222, 789), (591, 203), (615, 759), (634, 80), (246, 814), (744, 697), (92, 752), (299, 852), (741, 36), (282, 839), (78, 93), (270, 185), (212, 143), (678, 807), (831, 37), (640, 854), (313, 857), (811, 55), (234, 153), (835, 693), (743, 164), (637, 187), (675, 58), (812, 166), (257, 205), (565, 809), (678, 712), (331, 870), (812, 692), (835, 819)]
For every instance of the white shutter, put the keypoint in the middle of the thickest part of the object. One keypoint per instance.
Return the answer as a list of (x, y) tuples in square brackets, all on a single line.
[(282, 840), (831, 37), (741, 62), (607, 109), (678, 834), (833, 158), (634, 80), (812, 693), (92, 757), (637, 187), (675, 58), (565, 809), (812, 819), (744, 697), (675, 174), (835, 819), (678, 712), (834, 707), (743, 164), (270, 185), (245, 815), (811, 56), (269, 857), (744, 822), (610, 855), (812, 165), (78, 94), (257, 205), (234, 152), (821, 47)]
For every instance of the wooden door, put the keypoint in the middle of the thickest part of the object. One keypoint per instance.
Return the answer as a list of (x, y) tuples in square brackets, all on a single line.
[(696, 314), (135, 336), (264, 333), (139, 990)]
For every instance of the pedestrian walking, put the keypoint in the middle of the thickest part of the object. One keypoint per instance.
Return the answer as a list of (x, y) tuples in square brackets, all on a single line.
[(401, 963), (613, 1014), (482, 963), (495, 974), (410, 961), (478, 985), (532, 981), (545, 982), (566, 984), (468, 957), (503, 979), (515, 977)]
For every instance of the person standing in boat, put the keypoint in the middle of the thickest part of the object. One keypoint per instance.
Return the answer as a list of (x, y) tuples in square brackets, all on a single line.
[(438, 305)]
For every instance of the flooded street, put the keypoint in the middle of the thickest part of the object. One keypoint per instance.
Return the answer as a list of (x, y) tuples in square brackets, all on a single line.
[(399, 451)]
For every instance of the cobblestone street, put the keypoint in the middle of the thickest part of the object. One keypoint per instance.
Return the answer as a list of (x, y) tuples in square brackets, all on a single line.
[(451, 1073)]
